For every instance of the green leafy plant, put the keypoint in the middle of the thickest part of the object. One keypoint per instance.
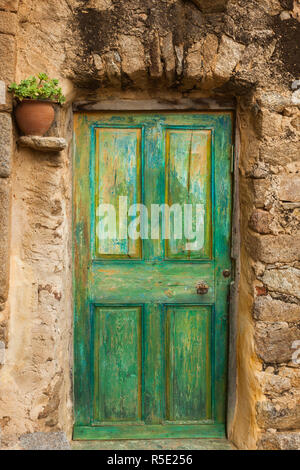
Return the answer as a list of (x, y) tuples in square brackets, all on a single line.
[(38, 88)]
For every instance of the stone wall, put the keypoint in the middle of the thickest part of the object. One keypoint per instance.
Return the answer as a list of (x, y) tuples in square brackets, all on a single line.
[(8, 30), (36, 322), (164, 49)]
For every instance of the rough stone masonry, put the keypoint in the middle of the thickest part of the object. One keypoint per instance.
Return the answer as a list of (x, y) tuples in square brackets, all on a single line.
[(140, 49)]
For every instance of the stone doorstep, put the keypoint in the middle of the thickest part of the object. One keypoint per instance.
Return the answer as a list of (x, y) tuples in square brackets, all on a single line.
[(43, 144), (58, 441), (44, 441), (155, 444)]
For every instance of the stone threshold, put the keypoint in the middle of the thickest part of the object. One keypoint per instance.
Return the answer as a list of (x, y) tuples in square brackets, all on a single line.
[(155, 444)]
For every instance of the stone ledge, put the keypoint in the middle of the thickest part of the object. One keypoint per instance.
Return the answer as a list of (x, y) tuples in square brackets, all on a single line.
[(43, 144)]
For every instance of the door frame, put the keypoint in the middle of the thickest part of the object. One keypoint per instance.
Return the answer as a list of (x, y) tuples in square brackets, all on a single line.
[(185, 105)]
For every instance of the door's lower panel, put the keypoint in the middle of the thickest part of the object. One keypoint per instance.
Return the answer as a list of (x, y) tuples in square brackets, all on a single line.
[(213, 431), (118, 364), (145, 379), (188, 363)]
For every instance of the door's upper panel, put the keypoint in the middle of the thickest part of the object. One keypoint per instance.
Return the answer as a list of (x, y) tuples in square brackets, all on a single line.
[(118, 188), (188, 194)]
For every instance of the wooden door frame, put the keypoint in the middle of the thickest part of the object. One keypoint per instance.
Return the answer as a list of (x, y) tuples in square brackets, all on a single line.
[(209, 105)]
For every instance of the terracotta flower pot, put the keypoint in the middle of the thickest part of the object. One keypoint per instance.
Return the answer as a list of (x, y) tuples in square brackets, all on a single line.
[(34, 117)]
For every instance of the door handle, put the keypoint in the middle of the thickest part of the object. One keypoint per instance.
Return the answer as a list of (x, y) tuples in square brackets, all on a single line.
[(202, 288)]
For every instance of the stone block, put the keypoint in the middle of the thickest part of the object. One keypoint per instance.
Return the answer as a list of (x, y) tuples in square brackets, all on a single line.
[(194, 62), (296, 98), (290, 205), (209, 55), (274, 385), (295, 85), (296, 123), (7, 54), (229, 55), (2, 92), (284, 15), (284, 281), (273, 101), (289, 188), (4, 238), (270, 416), (5, 98), (5, 144), (45, 441), (2, 353), (274, 341), (280, 441), (179, 54), (99, 65), (9, 5), (168, 55), (133, 58), (211, 6), (112, 68), (3, 331), (100, 5), (268, 309), (293, 374), (262, 193), (199, 61), (280, 152), (260, 221), (8, 22), (275, 248), (268, 124), (259, 171), (156, 66)]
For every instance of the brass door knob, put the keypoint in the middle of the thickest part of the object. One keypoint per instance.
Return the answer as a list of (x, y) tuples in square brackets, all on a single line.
[(202, 288)]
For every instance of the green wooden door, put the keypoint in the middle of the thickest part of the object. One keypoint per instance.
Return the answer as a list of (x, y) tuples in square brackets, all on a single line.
[(152, 210)]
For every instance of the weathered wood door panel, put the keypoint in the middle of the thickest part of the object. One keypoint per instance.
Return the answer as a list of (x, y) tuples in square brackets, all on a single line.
[(152, 209)]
